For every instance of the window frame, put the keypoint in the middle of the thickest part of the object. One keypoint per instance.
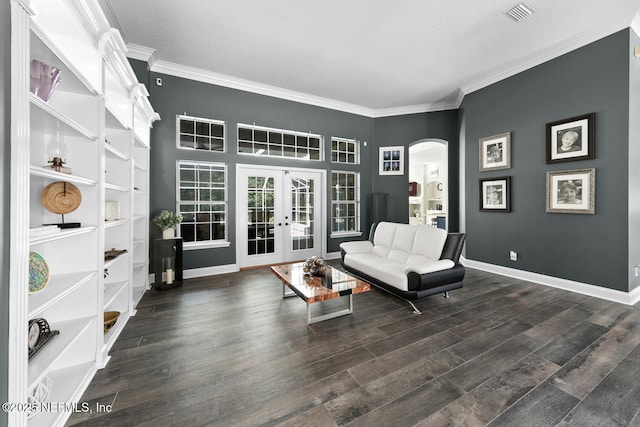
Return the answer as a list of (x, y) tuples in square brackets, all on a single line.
[(267, 143), (196, 120), (202, 244), (356, 202), (348, 141)]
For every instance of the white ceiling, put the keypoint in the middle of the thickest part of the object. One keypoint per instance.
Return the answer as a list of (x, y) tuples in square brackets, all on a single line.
[(369, 57)]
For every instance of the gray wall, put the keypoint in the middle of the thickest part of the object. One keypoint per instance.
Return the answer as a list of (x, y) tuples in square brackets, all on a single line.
[(634, 161), (585, 248), (182, 96), (404, 130), (5, 131)]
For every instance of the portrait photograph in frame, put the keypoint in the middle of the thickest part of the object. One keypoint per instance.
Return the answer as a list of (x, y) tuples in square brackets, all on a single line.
[(571, 139), (391, 161), (495, 194), (572, 191), (495, 152)]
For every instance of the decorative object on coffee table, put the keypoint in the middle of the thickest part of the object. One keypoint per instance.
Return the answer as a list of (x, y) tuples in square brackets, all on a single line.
[(315, 266), (167, 221)]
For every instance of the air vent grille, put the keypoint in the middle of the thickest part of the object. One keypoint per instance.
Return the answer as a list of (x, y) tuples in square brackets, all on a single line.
[(520, 11)]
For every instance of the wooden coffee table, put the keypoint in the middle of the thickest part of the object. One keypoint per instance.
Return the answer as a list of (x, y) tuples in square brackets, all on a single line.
[(312, 289)]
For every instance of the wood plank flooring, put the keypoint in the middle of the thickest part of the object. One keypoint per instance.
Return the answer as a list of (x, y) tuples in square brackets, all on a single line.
[(228, 350)]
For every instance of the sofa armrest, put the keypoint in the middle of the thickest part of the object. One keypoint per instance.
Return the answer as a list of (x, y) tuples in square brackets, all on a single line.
[(439, 265), (356, 246)]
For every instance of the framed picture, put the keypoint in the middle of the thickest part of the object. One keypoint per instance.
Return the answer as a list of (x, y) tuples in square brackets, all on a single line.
[(495, 194), (571, 139), (391, 160), (495, 152), (571, 191)]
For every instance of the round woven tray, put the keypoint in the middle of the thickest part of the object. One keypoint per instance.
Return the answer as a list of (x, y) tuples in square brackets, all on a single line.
[(61, 197)]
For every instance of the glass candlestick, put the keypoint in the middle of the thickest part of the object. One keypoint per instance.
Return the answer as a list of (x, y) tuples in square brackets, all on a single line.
[(169, 269)]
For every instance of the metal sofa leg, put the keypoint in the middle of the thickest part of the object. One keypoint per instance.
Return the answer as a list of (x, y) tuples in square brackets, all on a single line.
[(445, 294)]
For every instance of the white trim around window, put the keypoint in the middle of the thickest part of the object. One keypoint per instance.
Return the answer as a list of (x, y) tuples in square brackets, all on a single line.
[(202, 200)]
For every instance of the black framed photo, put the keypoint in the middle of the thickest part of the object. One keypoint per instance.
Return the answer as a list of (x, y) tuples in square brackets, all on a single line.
[(495, 152), (572, 191), (495, 194), (571, 139)]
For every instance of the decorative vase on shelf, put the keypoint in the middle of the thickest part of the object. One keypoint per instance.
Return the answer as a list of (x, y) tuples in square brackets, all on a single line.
[(169, 233)]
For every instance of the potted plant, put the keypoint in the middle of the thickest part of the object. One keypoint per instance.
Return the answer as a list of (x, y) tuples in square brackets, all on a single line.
[(167, 221)]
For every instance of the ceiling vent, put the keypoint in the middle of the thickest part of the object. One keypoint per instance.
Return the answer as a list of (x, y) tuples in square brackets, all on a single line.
[(520, 11)]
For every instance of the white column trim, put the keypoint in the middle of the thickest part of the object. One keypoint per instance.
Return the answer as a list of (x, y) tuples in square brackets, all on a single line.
[(19, 209)]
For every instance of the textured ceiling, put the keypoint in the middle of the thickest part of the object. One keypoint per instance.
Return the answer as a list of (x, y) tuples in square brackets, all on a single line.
[(371, 56)]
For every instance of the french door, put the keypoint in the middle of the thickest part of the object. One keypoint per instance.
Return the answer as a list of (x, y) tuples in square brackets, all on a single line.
[(280, 214)]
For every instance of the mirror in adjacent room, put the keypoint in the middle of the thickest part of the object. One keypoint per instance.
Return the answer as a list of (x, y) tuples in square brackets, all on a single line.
[(428, 183)]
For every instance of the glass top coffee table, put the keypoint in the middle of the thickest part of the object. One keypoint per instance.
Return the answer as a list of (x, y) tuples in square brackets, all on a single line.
[(333, 284)]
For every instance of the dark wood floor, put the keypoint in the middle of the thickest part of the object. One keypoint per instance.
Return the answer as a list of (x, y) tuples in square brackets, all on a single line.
[(229, 351)]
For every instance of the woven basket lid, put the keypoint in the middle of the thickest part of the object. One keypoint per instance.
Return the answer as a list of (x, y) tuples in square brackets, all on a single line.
[(61, 197)]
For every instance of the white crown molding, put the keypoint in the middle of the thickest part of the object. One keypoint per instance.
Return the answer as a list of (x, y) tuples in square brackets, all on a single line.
[(204, 76), (635, 24), (141, 53), (149, 55), (628, 298)]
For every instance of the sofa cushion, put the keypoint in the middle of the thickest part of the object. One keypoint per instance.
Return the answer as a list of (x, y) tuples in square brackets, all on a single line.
[(401, 241), (384, 269)]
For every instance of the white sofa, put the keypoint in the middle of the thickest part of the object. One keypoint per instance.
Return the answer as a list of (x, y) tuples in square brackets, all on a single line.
[(412, 261)]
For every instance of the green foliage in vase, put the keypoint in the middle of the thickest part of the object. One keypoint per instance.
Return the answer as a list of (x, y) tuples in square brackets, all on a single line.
[(167, 219)]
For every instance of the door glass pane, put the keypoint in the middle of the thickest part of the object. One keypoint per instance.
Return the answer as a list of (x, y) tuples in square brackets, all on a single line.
[(302, 210), (260, 215)]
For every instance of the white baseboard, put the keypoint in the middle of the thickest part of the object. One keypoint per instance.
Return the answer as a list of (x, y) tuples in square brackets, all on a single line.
[(210, 271), (628, 298), (193, 273), (332, 255)]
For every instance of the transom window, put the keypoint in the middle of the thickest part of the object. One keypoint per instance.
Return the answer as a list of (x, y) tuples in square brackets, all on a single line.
[(345, 202), (262, 141), (345, 151), (202, 201), (200, 134)]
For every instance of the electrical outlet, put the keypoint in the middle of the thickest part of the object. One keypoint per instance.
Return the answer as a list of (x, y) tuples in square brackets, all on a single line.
[(513, 255), (158, 81), (637, 270)]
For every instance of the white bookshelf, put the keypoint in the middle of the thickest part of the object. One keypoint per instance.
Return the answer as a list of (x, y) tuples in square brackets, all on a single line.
[(105, 117)]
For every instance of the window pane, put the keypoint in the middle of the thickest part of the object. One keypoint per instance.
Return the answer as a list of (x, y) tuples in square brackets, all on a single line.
[(187, 126), (217, 130), (202, 128), (245, 134)]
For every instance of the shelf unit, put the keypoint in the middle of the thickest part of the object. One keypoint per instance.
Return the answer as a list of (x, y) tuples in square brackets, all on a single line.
[(104, 116)]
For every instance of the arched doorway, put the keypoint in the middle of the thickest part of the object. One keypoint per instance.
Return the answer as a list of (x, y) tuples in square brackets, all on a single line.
[(429, 174)]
